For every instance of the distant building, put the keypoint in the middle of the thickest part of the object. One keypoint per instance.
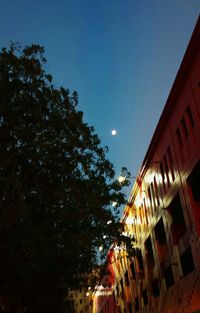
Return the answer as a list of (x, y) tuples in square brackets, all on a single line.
[(82, 300), (163, 212)]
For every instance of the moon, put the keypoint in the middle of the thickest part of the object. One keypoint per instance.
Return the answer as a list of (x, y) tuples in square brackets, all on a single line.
[(113, 132)]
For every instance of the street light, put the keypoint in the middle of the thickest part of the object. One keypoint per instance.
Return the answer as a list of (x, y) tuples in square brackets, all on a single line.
[(121, 179)]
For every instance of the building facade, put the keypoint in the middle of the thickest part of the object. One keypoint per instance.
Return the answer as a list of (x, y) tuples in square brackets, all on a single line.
[(163, 212)]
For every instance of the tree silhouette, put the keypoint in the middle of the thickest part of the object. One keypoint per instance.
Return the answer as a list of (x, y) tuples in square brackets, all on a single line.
[(56, 188)]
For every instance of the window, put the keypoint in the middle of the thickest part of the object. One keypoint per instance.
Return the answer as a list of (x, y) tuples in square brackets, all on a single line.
[(194, 192), (178, 227), (184, 127), (187, 262), (149, 252), (166, 170), (136, 304), (150, 197), (145, 210), (145, 297), (161, 242), (126, 279), (194, 182), (155, 288), (169, 278), (117, 290), (176, 210), (171, 164), (160, 232), (132, 268), (153, 196), (178, 135), (139, 258), (122, 285), (162, 175), (189, 116), (156, 191)]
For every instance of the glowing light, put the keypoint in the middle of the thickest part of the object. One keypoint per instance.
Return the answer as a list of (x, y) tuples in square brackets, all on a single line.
[(129, 220), (138, 201), (159, 178), (104, 236), (109, 222), (89, 288), (117, 249), (114, 204), (100, 248), (87, 294), (149, 177), (121, 179), (114, 132)]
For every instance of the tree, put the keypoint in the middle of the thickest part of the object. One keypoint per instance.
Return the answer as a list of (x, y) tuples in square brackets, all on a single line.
[(56, 187)]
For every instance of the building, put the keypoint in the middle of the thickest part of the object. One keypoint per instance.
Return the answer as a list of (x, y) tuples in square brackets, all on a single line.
[(163, 212), (82, 300)]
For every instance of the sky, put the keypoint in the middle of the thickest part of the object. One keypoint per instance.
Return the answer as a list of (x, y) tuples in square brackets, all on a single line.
[(121, 56)]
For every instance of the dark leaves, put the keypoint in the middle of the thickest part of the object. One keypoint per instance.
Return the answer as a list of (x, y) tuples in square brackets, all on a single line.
[(56, 186)]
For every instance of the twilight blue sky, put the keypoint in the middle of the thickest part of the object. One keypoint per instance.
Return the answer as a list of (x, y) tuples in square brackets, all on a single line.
[(120, 55)]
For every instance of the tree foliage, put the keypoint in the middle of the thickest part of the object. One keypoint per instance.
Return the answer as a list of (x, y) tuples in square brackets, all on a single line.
[(56, 187)]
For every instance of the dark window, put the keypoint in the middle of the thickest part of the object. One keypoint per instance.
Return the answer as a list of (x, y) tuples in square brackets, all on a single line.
[(117, 289), (190, 117), (176, 210), (194, 182), (178, 226), (140, 261), (122, 285), (160, 232), (81, 300), (136, 304), (162, 175), (150, 197), (184, 127), (145, 297), (178, 135), (126, 279), (187, 262), (169, 278), (130, 308), (149, 251), (132, 267), (194, 192), (113, 294), (155, 288), (145, 209)]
